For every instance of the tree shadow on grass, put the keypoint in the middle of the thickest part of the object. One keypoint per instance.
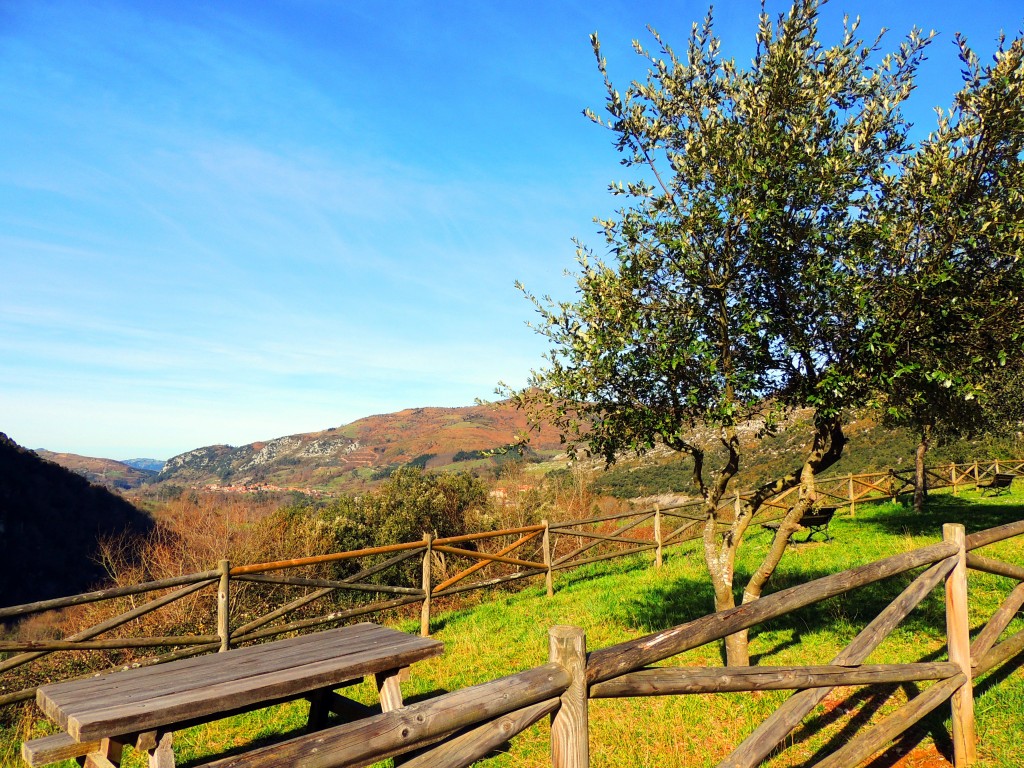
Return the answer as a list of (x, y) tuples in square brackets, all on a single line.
[(864, 703), (945, 509), (668, 605)]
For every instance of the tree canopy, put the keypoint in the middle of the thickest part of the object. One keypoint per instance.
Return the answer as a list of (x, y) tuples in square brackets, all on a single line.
[(782, 245), (949, 312)]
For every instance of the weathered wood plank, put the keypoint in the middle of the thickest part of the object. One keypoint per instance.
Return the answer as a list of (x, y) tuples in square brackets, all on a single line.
[(111, 623), (141, 699), (867, 743), (389, 690), (1001, 653), (994, 628), (332, 584), (472, 554), (51, 749), (767, 736), (672, 681), (154, 681), (162, 756), (356, 744), (483, 564), (327, 618), (616, 660), (958, 640), (570, 746), (995, 567), (479, 742), (100, 760), (107, 594), (992, 535)]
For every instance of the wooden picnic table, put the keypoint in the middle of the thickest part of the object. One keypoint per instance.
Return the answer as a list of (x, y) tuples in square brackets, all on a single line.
[(144, 706)]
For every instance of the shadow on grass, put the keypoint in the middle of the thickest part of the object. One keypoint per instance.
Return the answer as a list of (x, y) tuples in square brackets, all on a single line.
[(669, 605), (862, 705), (945, 508), (672, 604)]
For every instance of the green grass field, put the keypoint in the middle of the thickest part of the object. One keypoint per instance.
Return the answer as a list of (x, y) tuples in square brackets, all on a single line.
[(504, 632)]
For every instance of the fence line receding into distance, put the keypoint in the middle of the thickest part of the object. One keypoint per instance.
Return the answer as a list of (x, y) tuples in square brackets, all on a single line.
[(432, 568)]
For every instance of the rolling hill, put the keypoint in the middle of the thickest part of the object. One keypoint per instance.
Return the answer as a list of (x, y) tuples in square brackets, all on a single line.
[(355, 454), (116, 475)]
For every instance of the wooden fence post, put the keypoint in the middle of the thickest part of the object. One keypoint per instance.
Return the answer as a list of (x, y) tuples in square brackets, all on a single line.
[(977, 479), (952, 476), (570, 741), (425, 610), (657, 536), (548, 579), (853, 506), (223, 604), (959, 643)]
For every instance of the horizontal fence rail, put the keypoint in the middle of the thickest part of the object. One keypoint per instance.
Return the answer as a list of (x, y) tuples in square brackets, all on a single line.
[(324, 589)]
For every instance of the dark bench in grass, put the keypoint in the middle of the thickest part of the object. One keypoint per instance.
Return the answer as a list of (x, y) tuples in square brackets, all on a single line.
[(998, 483), (814, 521)]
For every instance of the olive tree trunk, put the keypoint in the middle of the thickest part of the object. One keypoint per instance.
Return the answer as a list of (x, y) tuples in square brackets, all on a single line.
[(920, 476)]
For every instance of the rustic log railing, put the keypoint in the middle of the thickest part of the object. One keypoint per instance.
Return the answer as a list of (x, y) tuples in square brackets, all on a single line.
[(461, 727), (447, 566)]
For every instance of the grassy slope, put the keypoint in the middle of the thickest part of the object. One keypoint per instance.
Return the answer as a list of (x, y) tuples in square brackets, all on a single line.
[(871, 448), (622, 599)]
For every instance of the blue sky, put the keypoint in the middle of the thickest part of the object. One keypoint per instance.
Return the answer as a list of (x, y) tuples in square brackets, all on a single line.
[(228, 222)]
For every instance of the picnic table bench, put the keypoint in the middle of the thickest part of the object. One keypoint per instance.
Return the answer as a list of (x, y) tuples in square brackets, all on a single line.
[(997, 484), (814, 520), (143, 706)]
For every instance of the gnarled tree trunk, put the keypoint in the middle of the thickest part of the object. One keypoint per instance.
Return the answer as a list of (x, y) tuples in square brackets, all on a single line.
[(920, 476)]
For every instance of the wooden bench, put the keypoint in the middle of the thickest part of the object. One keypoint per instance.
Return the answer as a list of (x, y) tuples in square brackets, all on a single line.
[(52, 749), (997, 484), (142, 707), (814, 521)]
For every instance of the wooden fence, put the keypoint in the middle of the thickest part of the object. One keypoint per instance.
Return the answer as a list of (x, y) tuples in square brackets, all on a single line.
[(309, 592), (458, 728)]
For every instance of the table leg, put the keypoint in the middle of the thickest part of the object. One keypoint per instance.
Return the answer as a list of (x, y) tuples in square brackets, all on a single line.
[(390, 691), (163, 755), (319, 709), (107, 756)]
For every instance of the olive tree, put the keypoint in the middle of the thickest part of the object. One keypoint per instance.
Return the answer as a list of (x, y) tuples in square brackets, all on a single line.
[(737, 284), (949, 319)]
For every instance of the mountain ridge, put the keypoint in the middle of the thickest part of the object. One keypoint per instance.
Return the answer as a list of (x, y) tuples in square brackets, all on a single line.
[(365, 450), (110, 473)]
